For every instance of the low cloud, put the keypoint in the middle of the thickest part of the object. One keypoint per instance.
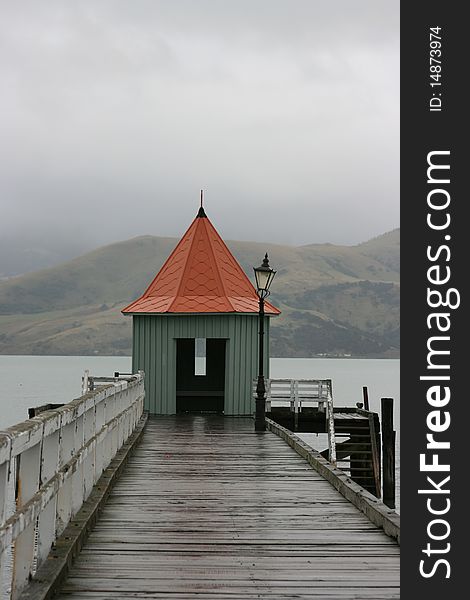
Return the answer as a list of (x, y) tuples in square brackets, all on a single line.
[(114, 114)]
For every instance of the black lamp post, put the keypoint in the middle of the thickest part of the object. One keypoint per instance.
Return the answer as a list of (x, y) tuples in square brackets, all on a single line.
[(263, 276)]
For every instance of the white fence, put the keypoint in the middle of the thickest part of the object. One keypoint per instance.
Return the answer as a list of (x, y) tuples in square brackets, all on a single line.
[(298, 393), (303, 393), (48, 467)]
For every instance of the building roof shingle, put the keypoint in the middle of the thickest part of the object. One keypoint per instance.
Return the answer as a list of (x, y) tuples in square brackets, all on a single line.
[(201, 275)]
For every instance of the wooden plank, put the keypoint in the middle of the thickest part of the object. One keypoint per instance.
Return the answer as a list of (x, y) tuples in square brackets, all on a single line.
[(347, 416), (208, 509)]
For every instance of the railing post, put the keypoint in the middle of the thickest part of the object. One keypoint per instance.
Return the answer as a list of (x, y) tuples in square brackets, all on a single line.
[(5, 458), (115, 430), (85, 382), (321, 403), (268, 395), (388, 452), (89, 431), (64, 496), (49, 467), (5, 455), (99, 423), (330, 424), (296, 404), (78, 476), (27, 484)]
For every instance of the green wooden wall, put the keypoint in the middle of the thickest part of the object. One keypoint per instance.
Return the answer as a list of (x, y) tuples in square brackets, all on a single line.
[(154, 351)]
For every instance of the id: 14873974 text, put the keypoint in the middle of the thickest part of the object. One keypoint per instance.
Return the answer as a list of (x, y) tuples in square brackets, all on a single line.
[(435, 68)]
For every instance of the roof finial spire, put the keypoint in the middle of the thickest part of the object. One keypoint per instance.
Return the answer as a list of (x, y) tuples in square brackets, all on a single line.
[(201, 212)]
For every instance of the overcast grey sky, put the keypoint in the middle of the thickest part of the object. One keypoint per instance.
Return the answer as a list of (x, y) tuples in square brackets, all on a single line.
[(114, 113)]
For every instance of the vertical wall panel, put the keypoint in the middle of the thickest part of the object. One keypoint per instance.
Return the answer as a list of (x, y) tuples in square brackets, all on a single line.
[(244, 369), (154, 358), (245, 401), (162, 391), (230, 400), (154, 351), (171, 376)]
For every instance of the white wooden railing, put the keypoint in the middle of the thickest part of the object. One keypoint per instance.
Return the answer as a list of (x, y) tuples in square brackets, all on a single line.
[(48, 467), (302, 393)]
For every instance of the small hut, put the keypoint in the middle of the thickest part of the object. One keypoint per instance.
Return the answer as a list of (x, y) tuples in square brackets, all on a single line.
[(195, 329)]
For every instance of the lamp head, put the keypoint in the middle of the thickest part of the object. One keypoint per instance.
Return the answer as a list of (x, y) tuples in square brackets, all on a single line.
[(264, 276)]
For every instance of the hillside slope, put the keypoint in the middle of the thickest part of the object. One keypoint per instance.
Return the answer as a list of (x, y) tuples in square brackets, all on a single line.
[(335, 300)]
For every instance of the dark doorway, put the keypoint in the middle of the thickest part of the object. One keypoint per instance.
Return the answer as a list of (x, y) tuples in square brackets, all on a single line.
[(200, 375)]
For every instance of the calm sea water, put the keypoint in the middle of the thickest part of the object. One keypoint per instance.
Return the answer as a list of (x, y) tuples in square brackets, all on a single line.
[(29, 381)]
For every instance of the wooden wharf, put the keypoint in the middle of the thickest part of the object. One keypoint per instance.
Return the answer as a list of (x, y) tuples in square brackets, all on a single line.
[(205, 508), (208, 509), (306, 406)]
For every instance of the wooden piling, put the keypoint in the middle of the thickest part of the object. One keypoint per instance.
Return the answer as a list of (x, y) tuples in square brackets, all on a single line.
[(388, 452), (365, 396)]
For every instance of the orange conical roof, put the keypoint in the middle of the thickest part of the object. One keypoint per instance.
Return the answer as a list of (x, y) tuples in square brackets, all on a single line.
[(200, 276)]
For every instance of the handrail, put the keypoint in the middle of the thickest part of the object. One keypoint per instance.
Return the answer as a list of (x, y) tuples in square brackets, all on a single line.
[(49, 465)]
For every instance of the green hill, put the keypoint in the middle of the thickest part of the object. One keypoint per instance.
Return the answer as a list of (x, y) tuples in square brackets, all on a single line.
[(335, 300)]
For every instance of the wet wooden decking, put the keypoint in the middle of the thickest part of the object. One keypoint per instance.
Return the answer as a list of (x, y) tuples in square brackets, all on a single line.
[(208, 509)]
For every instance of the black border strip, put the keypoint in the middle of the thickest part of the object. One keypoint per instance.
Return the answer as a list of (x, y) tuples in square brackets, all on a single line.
[(424, 131)]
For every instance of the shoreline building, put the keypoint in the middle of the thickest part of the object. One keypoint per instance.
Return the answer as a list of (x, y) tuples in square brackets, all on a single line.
[(195, 329)]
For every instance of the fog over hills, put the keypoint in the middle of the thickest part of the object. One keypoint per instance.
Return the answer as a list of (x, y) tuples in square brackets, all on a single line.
[(335, 300)]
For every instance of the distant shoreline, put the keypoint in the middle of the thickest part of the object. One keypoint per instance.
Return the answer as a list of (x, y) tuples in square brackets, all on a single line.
[(331, 356)]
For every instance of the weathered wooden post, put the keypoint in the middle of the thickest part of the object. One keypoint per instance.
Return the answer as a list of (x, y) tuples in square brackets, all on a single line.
[(388, 452), (365, 396), (85, 381), (195, 329)]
